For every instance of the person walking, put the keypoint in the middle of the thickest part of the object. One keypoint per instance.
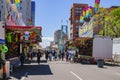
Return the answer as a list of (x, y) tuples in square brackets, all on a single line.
[(46, 55), (38, 56), (67, 55), (22, 59), (62, 54)]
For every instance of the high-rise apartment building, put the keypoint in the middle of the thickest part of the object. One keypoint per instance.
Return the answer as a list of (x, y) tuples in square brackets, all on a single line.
[(75, 12), (57, 36), (33, 12)]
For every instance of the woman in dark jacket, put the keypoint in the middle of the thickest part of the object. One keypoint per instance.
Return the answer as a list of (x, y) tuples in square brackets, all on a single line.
[(38, 56), (22, 59)]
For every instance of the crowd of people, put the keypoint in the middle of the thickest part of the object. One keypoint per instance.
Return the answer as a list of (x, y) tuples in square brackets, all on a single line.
[(50, 55), (60, 55)]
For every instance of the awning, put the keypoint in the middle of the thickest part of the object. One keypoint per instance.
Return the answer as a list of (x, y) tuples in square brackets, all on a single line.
[(23, 28)]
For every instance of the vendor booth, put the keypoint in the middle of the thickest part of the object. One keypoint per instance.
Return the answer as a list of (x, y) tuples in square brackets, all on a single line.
[(19, 40)]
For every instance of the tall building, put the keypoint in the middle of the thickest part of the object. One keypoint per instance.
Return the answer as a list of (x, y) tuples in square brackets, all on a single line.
[(75, 12), (2, 10), (57, 36), (33, 12)]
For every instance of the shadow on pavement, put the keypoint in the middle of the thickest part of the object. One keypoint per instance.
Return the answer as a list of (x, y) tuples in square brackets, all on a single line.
[(39, 69), (43, 61), (34, 61), (112, 64)]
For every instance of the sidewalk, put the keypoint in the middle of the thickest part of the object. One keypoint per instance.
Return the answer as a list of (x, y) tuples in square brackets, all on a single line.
[(20, 72)]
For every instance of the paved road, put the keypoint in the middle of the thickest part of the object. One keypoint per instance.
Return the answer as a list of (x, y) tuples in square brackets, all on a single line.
[(61, 70)]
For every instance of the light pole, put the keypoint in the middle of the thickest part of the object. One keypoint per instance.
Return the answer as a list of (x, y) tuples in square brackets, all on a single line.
[(103, 25)]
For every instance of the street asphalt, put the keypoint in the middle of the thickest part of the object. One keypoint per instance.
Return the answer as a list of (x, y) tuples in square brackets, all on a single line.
[(62, 70)]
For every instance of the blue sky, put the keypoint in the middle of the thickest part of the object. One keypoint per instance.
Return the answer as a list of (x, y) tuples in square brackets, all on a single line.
[(49, 13)]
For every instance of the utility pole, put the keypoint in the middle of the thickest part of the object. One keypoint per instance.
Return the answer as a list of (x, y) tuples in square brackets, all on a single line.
[(103, 26)]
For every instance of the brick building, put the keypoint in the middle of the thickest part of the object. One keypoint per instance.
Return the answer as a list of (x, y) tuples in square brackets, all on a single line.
[(75, 12)]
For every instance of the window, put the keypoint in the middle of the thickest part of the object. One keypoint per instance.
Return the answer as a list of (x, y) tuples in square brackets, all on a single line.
[(77, 14), (77, 21), (77, 27), (80, 9), (77, 8), (76, 34), (77, 11)]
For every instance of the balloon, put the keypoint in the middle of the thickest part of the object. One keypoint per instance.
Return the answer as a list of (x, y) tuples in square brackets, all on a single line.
[(18, 5), (9, 37), (84, 12), (4, 48), (17, 1), (81, 17), (96, 5), (97, 1), (95, 10), (81, 21)]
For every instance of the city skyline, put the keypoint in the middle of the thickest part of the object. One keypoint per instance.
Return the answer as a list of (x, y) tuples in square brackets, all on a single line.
[(50, 14)]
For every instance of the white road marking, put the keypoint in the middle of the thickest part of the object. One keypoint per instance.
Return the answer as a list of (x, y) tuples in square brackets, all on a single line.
[(76, 75), (24, 76)]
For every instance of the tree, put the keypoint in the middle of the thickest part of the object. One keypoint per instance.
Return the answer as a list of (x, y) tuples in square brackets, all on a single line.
[(99, 21), (114, 22), (108, 22)]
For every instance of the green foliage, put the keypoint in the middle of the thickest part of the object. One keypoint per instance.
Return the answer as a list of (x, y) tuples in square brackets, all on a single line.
[(108, 21)]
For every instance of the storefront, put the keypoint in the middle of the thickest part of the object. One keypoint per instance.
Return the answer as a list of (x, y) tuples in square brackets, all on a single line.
[(19, 40)]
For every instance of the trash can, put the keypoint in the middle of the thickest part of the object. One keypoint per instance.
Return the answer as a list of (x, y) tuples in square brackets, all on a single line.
[(100, 63)]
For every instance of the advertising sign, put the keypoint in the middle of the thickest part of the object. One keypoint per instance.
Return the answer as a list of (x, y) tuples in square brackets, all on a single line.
[(86, 30)]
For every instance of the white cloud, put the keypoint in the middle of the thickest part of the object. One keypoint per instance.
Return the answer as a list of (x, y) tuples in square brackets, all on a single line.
[(46, 41)]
